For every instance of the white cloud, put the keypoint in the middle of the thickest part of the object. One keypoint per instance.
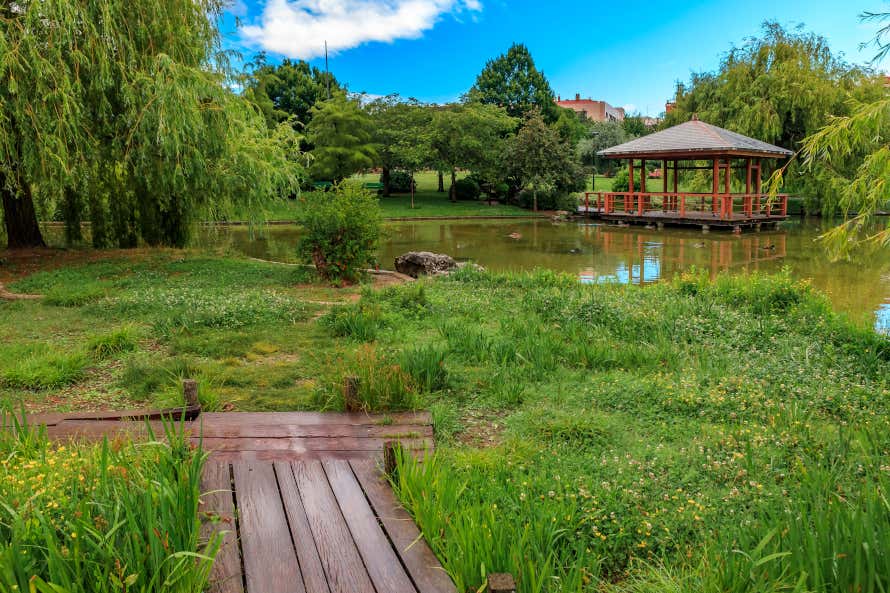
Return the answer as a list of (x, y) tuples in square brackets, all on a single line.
[(299, 28)]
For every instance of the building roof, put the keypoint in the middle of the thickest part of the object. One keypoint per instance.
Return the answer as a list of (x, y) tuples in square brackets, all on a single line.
[(694, 139)]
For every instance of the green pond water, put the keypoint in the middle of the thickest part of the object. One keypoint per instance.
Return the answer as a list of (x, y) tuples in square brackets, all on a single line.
[(601, 253)]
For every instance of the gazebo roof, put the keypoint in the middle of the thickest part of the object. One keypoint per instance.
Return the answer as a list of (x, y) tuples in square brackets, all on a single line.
[(694, 139)]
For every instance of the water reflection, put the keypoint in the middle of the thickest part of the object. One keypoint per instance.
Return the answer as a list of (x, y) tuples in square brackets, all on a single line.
[(601, 253)]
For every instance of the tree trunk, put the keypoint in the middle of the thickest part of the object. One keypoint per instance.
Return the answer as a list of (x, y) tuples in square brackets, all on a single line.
[(386, 180), (20, 218), (452, 191), (411, 182), (441, 183), (534, 200)]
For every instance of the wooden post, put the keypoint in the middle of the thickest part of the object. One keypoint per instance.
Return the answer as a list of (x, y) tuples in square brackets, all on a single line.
[(727, 209), (748, 186), (758, 186), (501, 583), (390, 457), (714, 186), (350, 394), (190, 392), (642, 199), (664, 184), (630, 185)]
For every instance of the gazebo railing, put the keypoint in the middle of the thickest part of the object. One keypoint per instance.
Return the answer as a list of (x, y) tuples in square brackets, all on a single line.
[(687, 204)]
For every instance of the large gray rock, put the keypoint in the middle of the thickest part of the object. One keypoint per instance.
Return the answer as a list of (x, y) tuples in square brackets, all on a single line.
[(416, 263)]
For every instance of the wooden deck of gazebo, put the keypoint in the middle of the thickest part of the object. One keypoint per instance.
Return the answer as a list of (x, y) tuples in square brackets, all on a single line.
[(692, 143)]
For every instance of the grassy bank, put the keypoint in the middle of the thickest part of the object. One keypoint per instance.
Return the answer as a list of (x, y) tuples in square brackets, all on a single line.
[(687, 436), (100, 518)]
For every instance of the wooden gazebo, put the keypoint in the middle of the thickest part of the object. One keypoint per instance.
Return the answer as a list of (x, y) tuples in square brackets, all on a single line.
[(682, 148)]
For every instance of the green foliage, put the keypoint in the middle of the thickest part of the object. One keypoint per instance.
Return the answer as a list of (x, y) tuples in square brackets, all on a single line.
[(400, 182), (342, 138), (470, 136), (99, 518), (382, 384), (513, 81), (361, 321), (621, 182), (756, 92), (111, 344), (288, 91), (466, 189), (403, 133), (540, 160), (43, 368), (341, 231), (547, 200), (426, 367), (601, 135)]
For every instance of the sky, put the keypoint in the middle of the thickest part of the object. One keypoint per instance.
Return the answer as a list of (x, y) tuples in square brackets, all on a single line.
[(628, 54)]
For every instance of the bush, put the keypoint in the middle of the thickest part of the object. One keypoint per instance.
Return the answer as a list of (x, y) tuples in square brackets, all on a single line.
[(426, 367), (341, 231), (360, 321), (466, 189), (399, 182), (548, 200), (622, 180)]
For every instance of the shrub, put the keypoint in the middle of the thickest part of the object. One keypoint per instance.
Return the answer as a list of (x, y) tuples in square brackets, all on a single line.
[(622, 180), (466, 189), (341, 231), (548, 200), (399, 182)]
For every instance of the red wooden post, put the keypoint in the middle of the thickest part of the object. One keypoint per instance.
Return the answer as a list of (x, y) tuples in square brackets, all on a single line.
[(643, 198), (682, 205), (676, 191), (758, 187), (784, 199), (748, 186), (587, 202), (630, 184), (664, 184), (727, 210), (714, 186)]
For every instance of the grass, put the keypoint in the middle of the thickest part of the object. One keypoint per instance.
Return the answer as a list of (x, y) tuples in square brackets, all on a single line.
[(100, 518), (687, 436), (428, 203)]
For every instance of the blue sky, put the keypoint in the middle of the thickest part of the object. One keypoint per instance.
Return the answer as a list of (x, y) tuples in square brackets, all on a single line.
[(629, 54)]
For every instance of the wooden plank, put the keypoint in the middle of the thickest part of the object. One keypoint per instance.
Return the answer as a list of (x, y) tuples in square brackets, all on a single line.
[(317, 430), (420, 455), (54, 418), (381, 560), (422, 565), (307, 553), (341, 560), (270, 562), (96, 430), (276, 418), (217, 503), (302, 445)]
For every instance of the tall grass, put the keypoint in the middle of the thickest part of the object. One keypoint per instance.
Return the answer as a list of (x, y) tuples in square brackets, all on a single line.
[(100, 518)]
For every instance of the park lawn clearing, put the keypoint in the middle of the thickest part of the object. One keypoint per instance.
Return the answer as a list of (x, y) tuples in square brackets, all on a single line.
[(589, 438)]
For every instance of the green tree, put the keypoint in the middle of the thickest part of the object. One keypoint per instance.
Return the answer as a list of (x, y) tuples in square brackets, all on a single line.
[(601, 135), (289, 90), (780, 88), (342, 136), (469, 136), (541, 159), (851, 154), (403, 134), (635, 126), (124, 116), (512, 81)]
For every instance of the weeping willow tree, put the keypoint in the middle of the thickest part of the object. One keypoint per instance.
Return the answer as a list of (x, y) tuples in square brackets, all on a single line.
[(851, 155), (781, 87), (121, 113)]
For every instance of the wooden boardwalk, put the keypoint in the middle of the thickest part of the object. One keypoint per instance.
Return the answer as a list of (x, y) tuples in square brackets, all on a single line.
[(298, 497)]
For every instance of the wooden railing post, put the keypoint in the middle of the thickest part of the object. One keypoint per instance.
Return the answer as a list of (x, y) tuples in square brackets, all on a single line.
[(190, 393), (350, 394), (501, 582), (785, 205)]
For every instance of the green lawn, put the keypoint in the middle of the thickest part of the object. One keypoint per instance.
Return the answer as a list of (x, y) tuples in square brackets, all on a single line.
[(427, 203), (687, 436)]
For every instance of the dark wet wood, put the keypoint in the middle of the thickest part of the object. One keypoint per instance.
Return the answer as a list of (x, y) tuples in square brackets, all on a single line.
[(341, 560), (218, 508), (270, 562)]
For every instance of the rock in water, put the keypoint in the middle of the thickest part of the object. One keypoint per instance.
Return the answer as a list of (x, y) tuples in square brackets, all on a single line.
[(416, 263)]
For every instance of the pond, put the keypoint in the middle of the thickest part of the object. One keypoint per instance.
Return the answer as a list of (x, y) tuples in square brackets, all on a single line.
[(597, 253)]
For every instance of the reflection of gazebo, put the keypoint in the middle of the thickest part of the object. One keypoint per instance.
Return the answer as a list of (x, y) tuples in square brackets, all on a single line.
[(691, 143)]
